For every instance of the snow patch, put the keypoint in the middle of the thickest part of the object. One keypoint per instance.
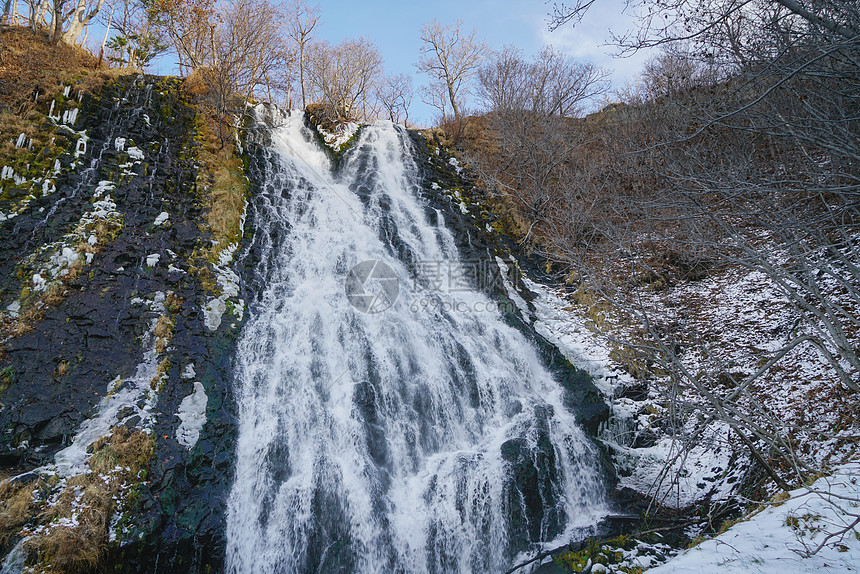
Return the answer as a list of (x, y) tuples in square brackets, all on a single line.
[(161, 219), (135, 153), (14, 308), (188, 372), (774, 540), (192, 413), (39, 283), (212, 313), (336, 140), (103, 186), (70, 116)]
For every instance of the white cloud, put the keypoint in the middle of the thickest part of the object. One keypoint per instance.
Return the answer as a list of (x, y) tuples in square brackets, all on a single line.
[(590, 40)]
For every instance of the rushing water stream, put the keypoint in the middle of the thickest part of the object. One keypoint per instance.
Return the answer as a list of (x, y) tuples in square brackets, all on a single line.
[(418, 439)]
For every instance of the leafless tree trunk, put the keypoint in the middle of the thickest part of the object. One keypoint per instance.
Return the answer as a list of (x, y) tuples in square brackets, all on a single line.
[(395, 95), (450, 59), (79, 19), (300, 26)]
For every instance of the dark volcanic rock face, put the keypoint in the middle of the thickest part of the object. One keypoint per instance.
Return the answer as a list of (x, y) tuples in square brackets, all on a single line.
[(104, 272)]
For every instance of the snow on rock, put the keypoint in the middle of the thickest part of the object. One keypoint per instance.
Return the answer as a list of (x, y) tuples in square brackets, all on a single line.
[(775, 540), (135, 153), (569, 331), (135, 392), (14, 308), (161, 219), (455, 163), (705, 470), (679, 479), (336, 140), (228, 283), (212, 313), (192, 413), (70, 116), (81, 146), (464, 209), (65, 257), (103, 186), (188, 372), (39, 283), (21, 141)]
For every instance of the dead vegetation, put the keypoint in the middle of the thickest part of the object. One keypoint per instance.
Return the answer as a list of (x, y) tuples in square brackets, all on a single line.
[(16, 507), (74, 529), (30, 62)]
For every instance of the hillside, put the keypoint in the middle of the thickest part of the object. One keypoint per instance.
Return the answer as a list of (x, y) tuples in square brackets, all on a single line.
[(237, 338)]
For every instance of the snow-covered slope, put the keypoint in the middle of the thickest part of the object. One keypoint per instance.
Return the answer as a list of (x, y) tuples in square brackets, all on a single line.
[(777, 540)]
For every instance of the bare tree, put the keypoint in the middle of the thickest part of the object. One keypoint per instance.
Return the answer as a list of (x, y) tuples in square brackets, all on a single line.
[(395, 94), (78, 19), (248, 49), (10, 12), (530, 103), (550, 85), (343, 76), (39, 10), (301, 22), (451, 59), (190, 25)]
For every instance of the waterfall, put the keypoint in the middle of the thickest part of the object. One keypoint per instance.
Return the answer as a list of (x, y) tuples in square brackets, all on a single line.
[(412, 438)]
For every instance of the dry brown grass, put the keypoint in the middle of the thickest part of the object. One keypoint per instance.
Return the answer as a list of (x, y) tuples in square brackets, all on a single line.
[(226, 199), (30, 62), (222, 181), (16, 501), (222, 185), (89, 501), (163, 327), (62, 368), (54, 294)]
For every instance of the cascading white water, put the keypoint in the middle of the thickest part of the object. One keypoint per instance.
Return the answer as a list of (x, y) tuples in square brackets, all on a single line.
[(390, 442)]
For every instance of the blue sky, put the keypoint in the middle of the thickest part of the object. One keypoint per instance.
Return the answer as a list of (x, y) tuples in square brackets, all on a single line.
[(395, 27)]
